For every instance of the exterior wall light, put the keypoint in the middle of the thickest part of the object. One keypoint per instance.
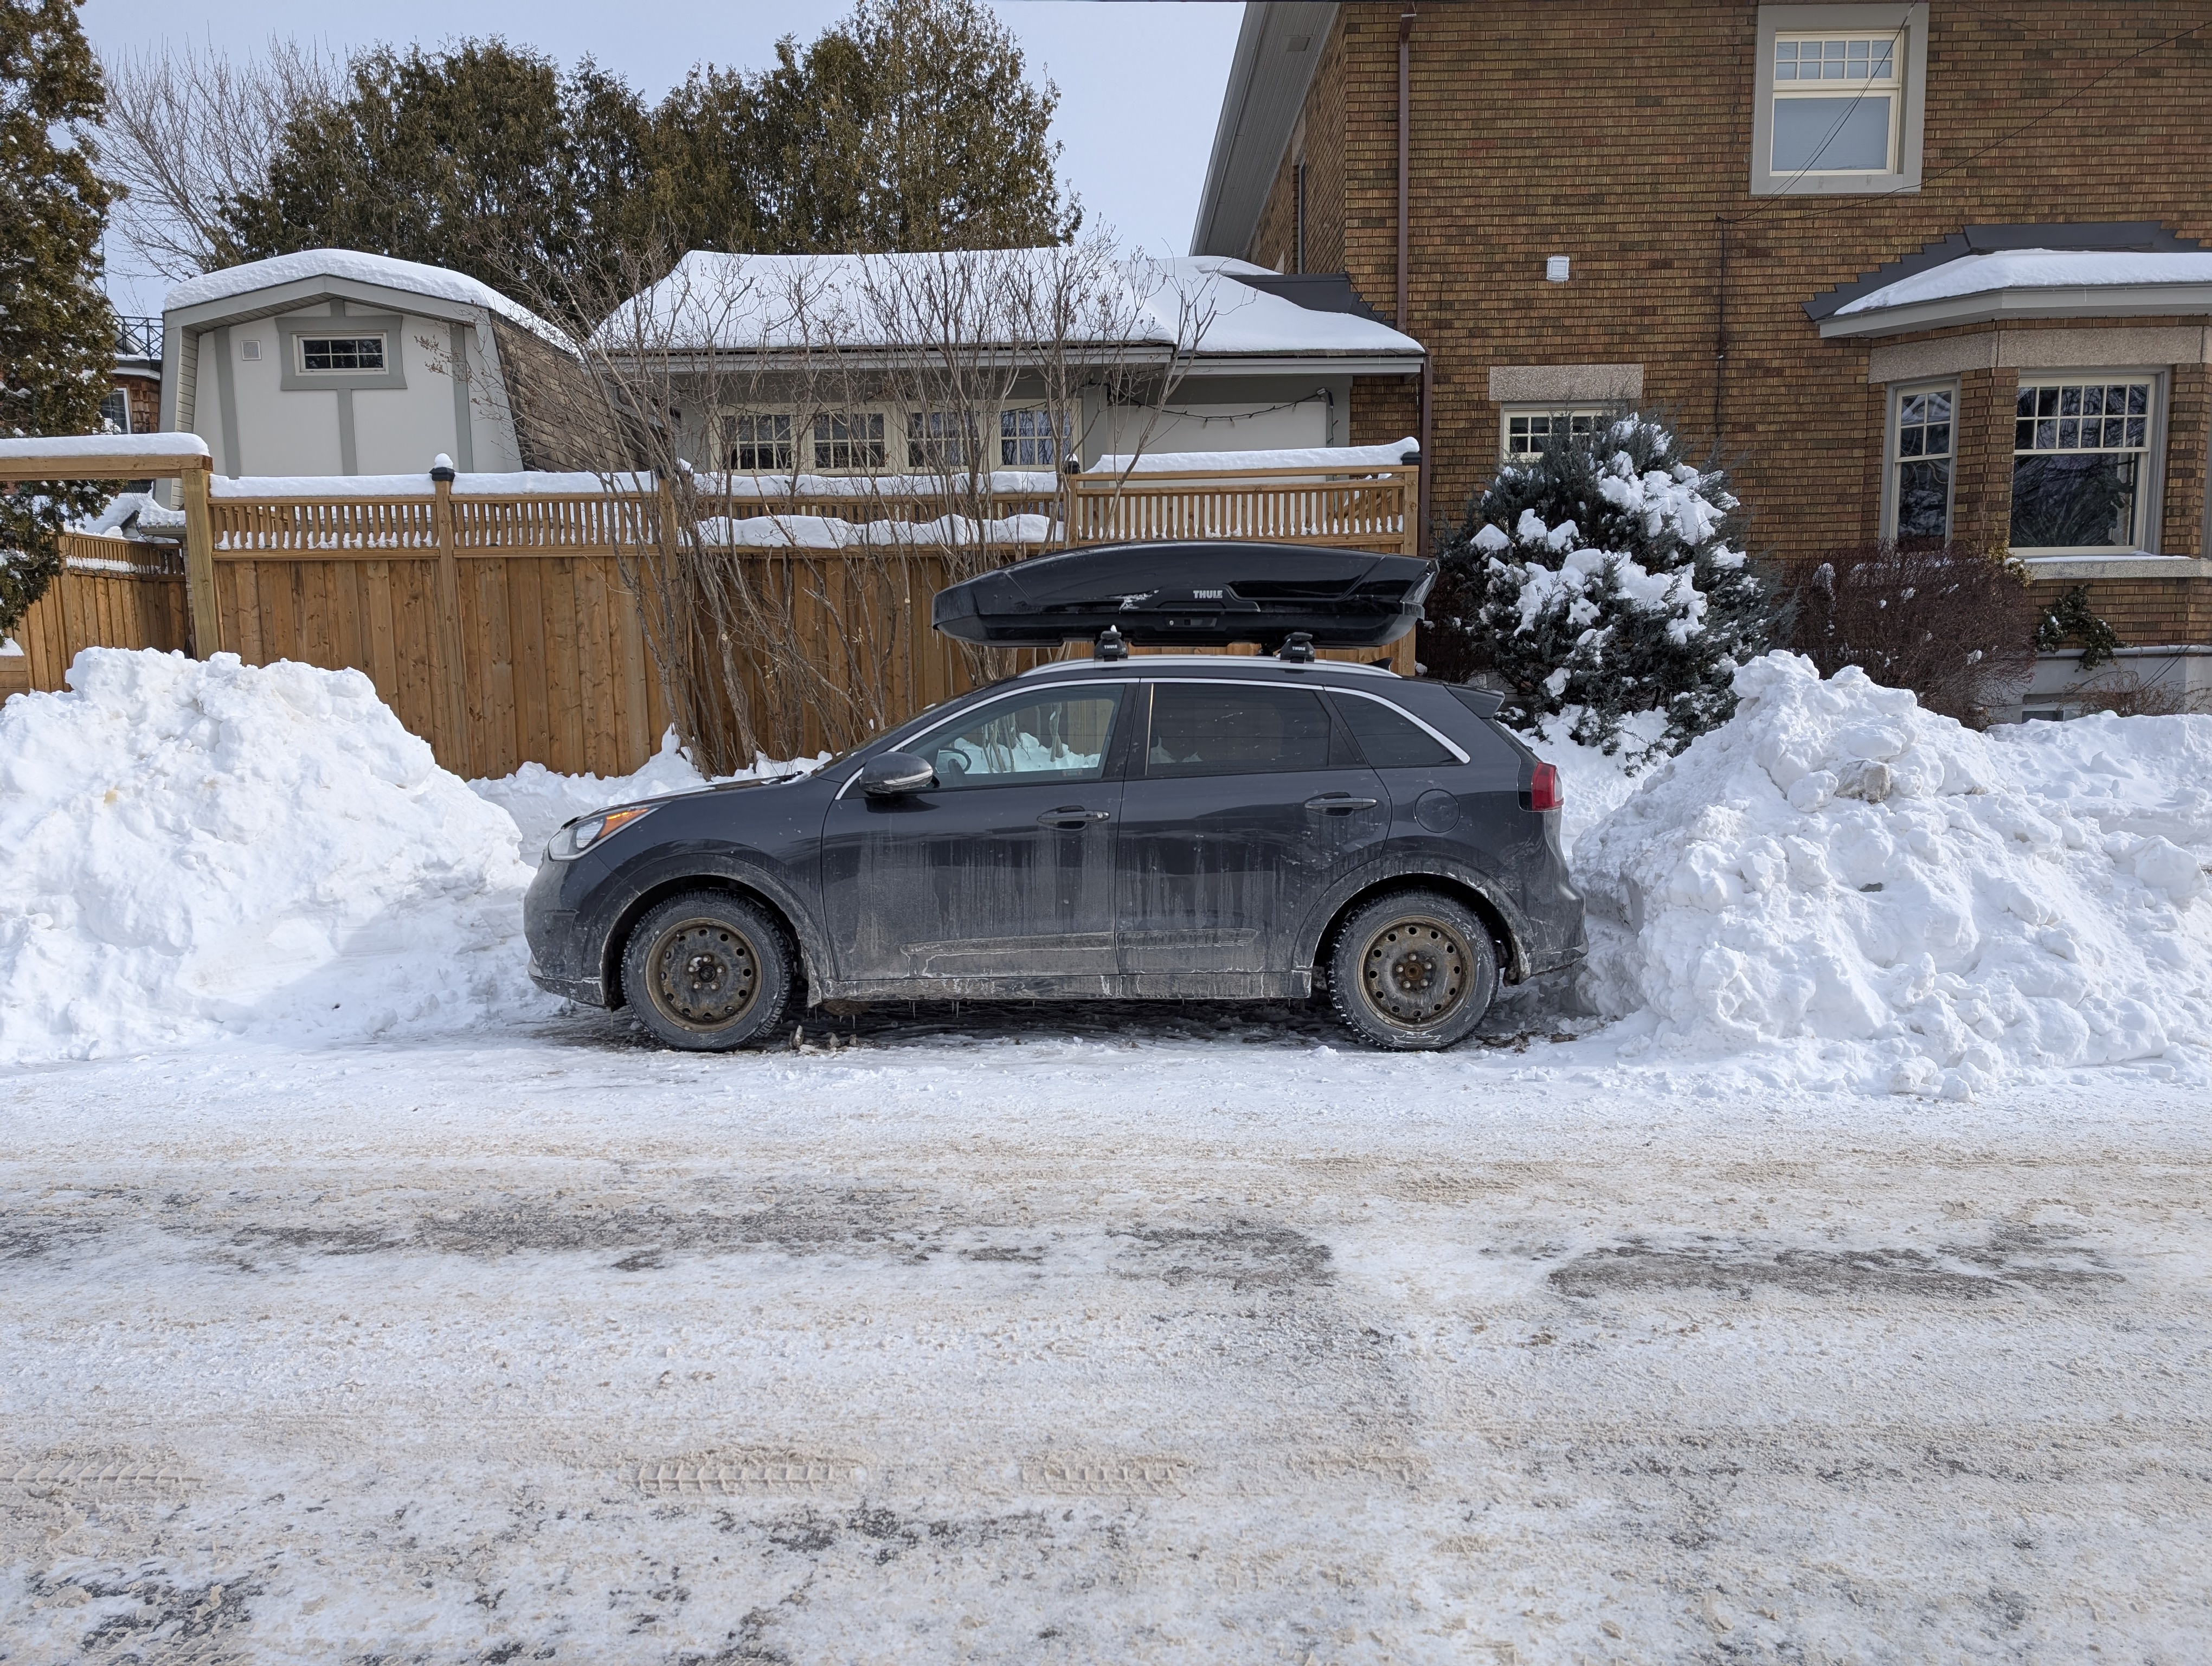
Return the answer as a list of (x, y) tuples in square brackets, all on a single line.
[(1555, 269)]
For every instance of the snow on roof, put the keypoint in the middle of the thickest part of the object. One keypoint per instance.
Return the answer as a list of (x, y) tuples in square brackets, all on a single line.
[(411, 277), (781, 303), (107, 444), (1328, 459), (2037, 269)]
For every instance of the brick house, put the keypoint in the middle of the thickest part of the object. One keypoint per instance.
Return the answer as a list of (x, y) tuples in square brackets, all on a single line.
[(1925, 268)]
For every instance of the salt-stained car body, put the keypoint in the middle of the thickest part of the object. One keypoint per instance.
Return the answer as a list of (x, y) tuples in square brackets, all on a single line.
[(1166, 827)]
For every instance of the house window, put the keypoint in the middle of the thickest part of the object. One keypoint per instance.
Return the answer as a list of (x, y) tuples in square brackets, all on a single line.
[(941, 439), (758, 443), (2081, 453), (1841, 94), (1026, 440), (349, 354), (1921, 462), (115, 412), (1836, 103), (1528, 432), (845, 443)]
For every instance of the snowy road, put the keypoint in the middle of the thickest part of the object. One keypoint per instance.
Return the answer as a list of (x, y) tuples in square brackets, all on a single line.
[(1153, 1339)]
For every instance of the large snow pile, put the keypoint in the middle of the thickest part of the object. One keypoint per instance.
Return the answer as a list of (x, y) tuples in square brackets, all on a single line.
[(201, 850), (1865, 892), (540, 800)]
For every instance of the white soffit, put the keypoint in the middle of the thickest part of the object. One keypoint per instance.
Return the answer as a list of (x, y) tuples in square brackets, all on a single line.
[(1259, 107)]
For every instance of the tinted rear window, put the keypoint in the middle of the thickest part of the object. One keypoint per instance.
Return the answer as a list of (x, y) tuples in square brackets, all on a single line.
[(1199, 730), (1390, 739)]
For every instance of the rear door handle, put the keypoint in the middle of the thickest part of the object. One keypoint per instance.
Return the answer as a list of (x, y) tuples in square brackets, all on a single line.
[(1341, 801), (1073, 815)]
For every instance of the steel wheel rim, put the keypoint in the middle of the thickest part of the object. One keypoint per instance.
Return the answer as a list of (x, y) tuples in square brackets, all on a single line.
[(705, 974), (1416, 971)]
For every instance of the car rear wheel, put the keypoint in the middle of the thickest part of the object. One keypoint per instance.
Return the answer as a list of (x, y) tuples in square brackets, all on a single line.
[(1412, 971), (707, 971)]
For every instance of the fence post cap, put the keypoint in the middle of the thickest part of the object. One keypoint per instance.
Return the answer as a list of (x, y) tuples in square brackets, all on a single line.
[(1413, 457), (442, 468)]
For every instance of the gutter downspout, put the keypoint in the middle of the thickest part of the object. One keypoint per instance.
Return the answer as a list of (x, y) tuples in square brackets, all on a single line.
[(1405, 144), (1404, 173)]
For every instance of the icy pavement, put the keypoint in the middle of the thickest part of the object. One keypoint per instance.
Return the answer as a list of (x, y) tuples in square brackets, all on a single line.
[(1150, 1336)]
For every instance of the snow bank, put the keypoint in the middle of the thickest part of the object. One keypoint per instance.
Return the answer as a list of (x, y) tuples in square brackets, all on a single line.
[(1867, 893), (540, 802), (198, 850)]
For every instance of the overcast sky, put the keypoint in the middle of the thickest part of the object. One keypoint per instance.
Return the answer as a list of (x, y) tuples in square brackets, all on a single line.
[(1140, 81)]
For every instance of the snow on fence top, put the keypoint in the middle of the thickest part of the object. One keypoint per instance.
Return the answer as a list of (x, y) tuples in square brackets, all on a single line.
[(410, 276), (1328, 459), (1003, 483), (2038, 269), (103, 445)]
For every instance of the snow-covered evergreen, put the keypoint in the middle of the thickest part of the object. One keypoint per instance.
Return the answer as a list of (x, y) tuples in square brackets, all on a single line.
[(1598, 580)]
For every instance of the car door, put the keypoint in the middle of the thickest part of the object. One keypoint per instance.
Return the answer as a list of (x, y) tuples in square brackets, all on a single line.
[(998, 877), (1245, 801)]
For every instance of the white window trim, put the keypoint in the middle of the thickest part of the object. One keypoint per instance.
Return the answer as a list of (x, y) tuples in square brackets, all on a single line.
[(1773, 21), (893, 442), (2151, 498), (1896, 393), (1532, 408)]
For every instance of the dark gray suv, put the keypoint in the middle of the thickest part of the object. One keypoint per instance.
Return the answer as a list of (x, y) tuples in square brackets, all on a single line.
[(1168, 827)]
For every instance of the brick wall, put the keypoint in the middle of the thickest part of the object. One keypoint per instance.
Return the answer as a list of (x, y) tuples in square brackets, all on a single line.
[(1619, 135), (1319, 141), (2146, 613)]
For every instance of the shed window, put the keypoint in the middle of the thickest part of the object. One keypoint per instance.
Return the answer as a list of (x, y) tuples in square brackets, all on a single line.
[(349, 354), (2081, 450)]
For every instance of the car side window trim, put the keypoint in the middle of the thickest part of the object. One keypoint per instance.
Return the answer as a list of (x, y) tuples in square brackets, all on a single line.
[(917, 726), (1140, 763)]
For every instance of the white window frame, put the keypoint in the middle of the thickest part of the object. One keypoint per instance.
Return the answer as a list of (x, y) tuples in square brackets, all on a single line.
[(862, 416), (1892, 463), (1597, 414), (945, 440), (1041, 432), (1908, 24), (2150, 489), (785, 441), (382, 339)]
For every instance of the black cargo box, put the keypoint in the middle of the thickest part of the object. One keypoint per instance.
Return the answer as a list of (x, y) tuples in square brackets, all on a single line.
[(1193, 594)]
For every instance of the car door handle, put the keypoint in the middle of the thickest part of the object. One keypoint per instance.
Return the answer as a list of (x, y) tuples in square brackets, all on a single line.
[(1073, 815), (1341, 801)]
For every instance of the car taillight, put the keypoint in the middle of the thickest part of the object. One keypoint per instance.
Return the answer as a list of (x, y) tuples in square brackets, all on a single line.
[(1544, 788)]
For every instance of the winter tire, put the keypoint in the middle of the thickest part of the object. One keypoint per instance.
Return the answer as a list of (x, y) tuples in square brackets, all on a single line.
[(1412, 971), (707, 971)]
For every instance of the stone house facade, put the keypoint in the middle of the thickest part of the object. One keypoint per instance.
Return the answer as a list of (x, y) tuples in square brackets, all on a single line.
[(1802, 230)]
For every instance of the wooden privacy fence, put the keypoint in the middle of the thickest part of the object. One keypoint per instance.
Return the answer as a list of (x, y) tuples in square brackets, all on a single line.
[(499, 626)]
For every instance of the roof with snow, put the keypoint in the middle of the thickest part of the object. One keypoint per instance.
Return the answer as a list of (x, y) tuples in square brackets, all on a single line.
[(1986, 272), (312, 273), (781, 304)]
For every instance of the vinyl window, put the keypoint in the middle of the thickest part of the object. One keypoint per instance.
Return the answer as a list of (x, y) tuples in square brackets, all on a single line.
[(340, 354), (941, 439), (1841, 95), (758, 443), (1922, 446), (1529, 431), (848, 443), (2082, 462), (1026, 440)]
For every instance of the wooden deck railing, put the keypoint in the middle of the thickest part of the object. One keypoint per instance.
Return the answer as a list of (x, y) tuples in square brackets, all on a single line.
[(500, 628)]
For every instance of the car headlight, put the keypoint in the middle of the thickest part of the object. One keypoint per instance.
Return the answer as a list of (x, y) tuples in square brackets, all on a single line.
[(579, 836)]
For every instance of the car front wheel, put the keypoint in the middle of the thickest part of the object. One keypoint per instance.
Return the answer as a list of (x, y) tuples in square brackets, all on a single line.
[(1412, 971), (707, 971)]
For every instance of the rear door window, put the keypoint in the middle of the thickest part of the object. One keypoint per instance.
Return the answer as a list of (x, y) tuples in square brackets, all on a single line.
[(1389, 738), (1237, 729)]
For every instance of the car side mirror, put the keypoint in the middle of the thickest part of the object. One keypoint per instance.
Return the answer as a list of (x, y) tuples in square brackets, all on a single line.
[(889, 774)]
